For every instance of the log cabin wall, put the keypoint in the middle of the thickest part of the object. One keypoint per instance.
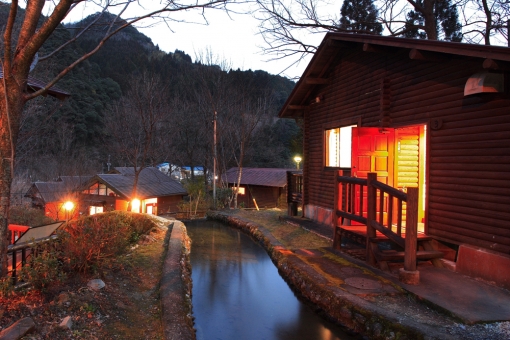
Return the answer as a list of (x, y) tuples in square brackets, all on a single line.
[(266, 197), (468, 138), (168, 204)]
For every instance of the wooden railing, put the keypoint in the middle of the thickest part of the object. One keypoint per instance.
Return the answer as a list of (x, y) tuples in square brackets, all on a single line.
[(18, 256), (15, 232), (381, 208)]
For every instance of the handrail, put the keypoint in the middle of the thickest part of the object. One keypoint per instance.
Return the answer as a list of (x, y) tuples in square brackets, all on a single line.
[(23, 248), (379, 215)]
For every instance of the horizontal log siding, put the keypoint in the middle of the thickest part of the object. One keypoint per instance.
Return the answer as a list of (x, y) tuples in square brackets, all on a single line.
[(468, 157)]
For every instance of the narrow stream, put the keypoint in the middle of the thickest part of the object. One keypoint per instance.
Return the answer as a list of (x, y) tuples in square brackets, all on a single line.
[(238, 293)]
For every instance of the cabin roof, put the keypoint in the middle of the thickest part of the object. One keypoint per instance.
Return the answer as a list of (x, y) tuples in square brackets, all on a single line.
[(270, 177), (57, 191), (151, 183), (34, 84), (334, 45)]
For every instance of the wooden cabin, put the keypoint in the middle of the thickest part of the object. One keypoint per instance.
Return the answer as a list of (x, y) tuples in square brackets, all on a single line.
[(265, 187), (422, 114), (52, 196), (156, 192)]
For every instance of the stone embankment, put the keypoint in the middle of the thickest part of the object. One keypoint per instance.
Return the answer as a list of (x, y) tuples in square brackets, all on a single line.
[(175, 286)]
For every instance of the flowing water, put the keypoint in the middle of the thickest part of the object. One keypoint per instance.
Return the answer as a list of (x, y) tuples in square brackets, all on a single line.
[(238, 293)]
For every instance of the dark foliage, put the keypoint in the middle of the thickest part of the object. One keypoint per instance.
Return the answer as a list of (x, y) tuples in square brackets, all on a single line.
[(360, 16), (447, 21)]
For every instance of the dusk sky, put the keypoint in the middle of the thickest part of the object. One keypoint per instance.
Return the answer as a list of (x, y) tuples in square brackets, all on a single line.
[(234, 38)]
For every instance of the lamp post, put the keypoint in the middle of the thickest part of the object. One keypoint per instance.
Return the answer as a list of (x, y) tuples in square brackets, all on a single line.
[(297, 159), (214, 158)]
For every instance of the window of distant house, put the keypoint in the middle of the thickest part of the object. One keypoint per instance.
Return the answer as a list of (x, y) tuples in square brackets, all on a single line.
[(92, 190), (241, 191), (95, 210), (338, 147)]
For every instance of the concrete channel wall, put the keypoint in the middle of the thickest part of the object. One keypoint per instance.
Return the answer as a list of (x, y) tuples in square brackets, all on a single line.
[(175, 285)]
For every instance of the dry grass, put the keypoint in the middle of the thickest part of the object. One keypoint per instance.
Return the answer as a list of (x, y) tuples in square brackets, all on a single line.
[(292, 236)]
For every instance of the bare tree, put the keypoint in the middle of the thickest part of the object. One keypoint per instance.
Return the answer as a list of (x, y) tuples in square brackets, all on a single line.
[(291, 28), (486, 19), (19, 50), (245, 116), (137, 126)]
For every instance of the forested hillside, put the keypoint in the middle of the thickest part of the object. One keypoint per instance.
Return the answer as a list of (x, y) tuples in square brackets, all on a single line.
[(119, 84)]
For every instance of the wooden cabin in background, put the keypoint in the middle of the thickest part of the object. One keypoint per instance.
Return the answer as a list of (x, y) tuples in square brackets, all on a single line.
[(156, 193), (421, 114), (52, 196), (265, 186)]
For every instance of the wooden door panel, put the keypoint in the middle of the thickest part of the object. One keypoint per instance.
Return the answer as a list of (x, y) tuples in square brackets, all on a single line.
[(372, 151)]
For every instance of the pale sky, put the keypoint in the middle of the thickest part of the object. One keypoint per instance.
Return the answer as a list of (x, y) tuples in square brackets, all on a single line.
[(233, 38)]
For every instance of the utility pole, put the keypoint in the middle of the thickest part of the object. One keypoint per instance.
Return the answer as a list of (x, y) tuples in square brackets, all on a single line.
[(214, 159)]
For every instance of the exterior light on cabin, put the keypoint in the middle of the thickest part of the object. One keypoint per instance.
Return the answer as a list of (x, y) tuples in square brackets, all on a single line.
[(68, 206), (297, 159), (135, 205)]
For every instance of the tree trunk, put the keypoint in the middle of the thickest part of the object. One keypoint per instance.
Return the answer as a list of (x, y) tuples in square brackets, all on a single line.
[(430, 19), (10, 113)]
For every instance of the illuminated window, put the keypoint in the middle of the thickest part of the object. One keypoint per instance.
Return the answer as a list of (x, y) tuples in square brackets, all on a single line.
[(338, 147), (102, 189), (241, 191), (95, 210)]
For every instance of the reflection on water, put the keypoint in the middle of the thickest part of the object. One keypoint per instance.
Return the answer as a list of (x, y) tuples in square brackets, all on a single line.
[(238, 293)]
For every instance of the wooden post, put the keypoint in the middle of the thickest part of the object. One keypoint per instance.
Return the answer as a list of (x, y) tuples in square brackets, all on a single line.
[(371, 214), (411, 229), (409, 274), (337, 239)]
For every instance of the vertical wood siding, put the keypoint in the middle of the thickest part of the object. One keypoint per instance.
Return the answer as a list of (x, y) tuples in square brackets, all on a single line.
[(469, 155)]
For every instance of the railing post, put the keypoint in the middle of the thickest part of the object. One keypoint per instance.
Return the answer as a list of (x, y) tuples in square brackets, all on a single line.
[(371, 214), (337, 238), (409, 274)]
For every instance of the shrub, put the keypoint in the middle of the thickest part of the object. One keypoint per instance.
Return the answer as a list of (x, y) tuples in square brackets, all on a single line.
[(93, 241), (44, 267)]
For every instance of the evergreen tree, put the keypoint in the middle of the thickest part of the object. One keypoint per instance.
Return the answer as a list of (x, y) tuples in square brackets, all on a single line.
[(446, 21), (360, 16)]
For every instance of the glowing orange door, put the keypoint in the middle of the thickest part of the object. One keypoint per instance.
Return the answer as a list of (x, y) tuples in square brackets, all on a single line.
[(372, 151)]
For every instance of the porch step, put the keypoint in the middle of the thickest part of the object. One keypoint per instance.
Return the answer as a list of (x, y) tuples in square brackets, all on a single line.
[(393, 255), (381, 239)]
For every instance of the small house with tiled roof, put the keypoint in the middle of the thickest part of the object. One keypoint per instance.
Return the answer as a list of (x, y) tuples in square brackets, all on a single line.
[(265, 187), (156, 193), (51, 196)]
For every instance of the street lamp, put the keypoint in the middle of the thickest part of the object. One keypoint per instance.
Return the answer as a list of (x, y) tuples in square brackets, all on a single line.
[(297, 159)]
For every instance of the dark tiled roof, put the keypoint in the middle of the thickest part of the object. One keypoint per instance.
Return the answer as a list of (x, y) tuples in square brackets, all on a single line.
[(151, 183), (34, 84), (59, 190), (270, 177)]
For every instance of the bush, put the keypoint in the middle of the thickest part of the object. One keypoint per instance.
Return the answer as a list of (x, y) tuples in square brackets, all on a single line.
[(44, 266), (93, 241), (26, 215)]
